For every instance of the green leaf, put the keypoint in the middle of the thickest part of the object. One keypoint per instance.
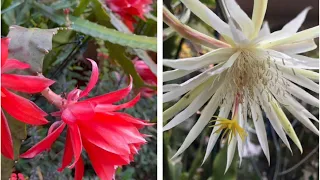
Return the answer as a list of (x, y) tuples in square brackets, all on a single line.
[(98, 31), (30, 45)]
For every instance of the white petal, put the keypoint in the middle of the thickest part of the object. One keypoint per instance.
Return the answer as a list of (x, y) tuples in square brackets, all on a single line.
[(206, 15), (260, 128), (288, 100), (188, 85), (300, 80), (224, 112), (293, 61), (213, 57), (265, 30), (286, 125), (240, 17), (303, 95), (294, 25), (230, 152), (170, 87), (300, 36), (240, 141), (174, 74), (314, 76), (185, 100), (303, 119), (202, 122), (226, 65), (194, 106), (259, 11), (238, 36), (297, 48), (273, 119)]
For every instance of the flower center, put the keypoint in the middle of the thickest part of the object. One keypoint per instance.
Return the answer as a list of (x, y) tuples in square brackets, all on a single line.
[(253, 70), (231, 128)]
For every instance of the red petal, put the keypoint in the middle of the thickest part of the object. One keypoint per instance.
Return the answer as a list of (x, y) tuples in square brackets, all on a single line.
[(6, 139), (139, 123), (104, 167), (93, 79), (68, 152), (4, 50), (82, 110), (79, 170), (76, 143), (27, 84), (118, 128), (44, 144), (22, 109), (103, 137), (112, 97), (54, 126), (110, 107), (14, 64)]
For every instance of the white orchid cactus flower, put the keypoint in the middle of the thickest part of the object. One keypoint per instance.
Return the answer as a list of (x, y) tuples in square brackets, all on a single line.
[(252, 72)]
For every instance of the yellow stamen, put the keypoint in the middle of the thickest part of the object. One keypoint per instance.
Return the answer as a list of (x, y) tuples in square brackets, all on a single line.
[(230, 127)]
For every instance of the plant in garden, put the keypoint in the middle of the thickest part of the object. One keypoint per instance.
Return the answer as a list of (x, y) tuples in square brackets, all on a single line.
[(127, 9), (17, 106), (252, 69), (110, 138), (147, 75)]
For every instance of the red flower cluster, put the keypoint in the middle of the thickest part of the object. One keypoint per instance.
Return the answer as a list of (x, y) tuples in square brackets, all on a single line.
[(18, 176), (16, 106), (110, 138), (127, 9), (147, 75)]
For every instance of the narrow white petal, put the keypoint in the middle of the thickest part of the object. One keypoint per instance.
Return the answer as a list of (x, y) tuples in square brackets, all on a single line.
[(240, 141), (288, 100), (265, 30), (303, 95), (202, 122), (186, 100), (194, 106), (238, 36), (286, 125), (170, 87), (293, 61), (194, 63), (294, 25), (260, 128), (273, 119), (226, 65), (303, 119), (240, 17), (230, 152), (259, 11), (297, 48), (224, 112), (300, 36), (188, 85), (174, 74), (206, 15), (314, 76)]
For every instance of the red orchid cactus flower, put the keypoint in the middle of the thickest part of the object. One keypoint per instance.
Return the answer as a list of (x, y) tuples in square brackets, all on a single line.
[(110, 138), (16, 106), (126, 9), (147, 75)]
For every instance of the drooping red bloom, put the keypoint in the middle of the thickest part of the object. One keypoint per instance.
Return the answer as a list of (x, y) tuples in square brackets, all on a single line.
[(18, 107), (147, 75), (14, 176), (127, 9), (110, 138)]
